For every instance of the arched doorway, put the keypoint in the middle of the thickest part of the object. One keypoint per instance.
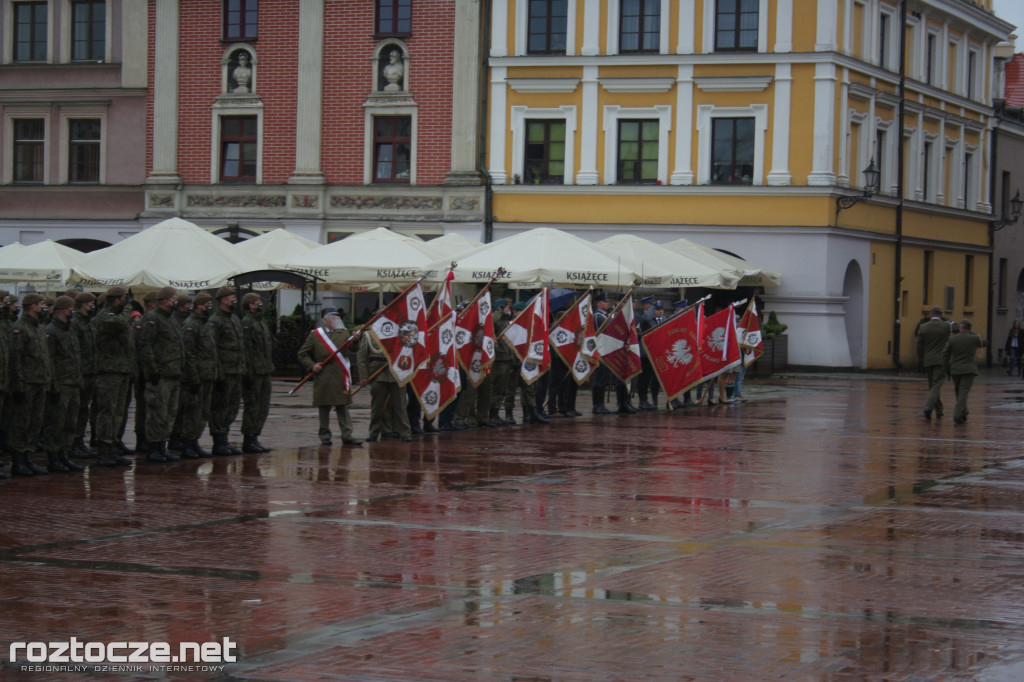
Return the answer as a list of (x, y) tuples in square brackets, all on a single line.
[(853, 291), (84, 245)]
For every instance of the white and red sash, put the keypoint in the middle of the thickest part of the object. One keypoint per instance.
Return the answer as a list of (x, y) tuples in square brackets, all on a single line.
[(346, 370)]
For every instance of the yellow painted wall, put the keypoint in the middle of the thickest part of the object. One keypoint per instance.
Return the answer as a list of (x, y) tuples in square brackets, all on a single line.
[(805, 14), (881, 304)]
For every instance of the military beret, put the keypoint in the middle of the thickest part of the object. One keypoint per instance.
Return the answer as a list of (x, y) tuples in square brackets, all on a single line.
[(4, 292), (519, 305), (182, 299), (647, 299), (31, 299), (63, 302), (101, 299), (501, 303), (116, 292), (224, 291), (165, 293), (50, 300), (72, 292), (150, 296), (202, 298), (250, 298), (84, 297)]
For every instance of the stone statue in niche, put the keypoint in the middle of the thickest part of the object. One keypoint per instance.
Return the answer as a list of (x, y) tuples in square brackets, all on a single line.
[(393, 72), (241, 76)]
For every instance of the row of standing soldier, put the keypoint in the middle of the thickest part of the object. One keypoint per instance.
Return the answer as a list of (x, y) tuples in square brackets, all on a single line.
[(185, 360)]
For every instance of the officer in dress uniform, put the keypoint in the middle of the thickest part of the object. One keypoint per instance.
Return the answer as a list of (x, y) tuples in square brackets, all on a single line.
[(647, 384), (602, 376), (115, 364), (931, 341), (329, 391), (30, 377), (61, 413), (387, 398), (232, 366), (161, 359), (959, 362), (198, 375), (259, 350), (501, 368)]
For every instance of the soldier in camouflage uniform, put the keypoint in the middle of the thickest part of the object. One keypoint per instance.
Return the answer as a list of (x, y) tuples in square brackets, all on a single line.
[(182, 309), (387, 398), (115, 364), (198, 375), (227, 390), (61, 414), (140, 378), (85, 309), (30, 380), (259, 346), (161, 358)]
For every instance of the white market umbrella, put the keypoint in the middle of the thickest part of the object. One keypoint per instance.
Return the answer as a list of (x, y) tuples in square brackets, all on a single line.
[(46, 261), (545, 256), (751, 275), (275, 245), (365, 258), (686, 270), (452, 245), (173, 253)]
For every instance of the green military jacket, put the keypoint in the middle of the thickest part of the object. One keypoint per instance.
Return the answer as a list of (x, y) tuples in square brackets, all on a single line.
[(960, 352), (931, 341), (115, 349), (369, 359), (65, 354), (227, 336), (84, 333), (328, 385), (502, 351), (161, 351), (258, 343), (179, 317), (200, 350), (5, 360), (29, 356)]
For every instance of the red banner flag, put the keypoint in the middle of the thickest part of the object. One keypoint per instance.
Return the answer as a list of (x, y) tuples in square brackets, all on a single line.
[(442, 304), (437, 380), (749, 333), (673, 348), (401, 331), (527, 335), (575, 340), (617, 342), (474, 338), (719, 349)]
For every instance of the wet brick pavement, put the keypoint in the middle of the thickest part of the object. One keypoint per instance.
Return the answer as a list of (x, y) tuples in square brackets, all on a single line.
[(822, 530)]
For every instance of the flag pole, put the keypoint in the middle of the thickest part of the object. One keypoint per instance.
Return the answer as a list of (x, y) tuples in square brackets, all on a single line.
[(369, 379), (497, 273), (617, 308), (355, 335)]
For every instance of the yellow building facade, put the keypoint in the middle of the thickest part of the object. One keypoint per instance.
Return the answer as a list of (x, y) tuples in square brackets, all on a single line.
[(739, 124)]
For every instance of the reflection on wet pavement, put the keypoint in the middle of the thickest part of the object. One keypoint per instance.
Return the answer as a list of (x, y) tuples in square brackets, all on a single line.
[(822, 530)]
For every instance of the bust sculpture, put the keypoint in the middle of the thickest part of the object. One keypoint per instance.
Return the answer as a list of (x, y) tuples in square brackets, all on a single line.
[(393, 72), (242, 75)]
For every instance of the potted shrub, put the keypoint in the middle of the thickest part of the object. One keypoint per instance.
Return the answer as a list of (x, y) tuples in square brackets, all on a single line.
[(776, 345)]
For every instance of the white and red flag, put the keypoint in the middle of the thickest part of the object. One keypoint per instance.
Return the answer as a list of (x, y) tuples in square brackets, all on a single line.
[(749, 334), (323, 335), (401, 330), (527, 334), (437, 380), (719, 349), (575, 340), (617, 342), (474, 338), (673, 348), (442, 304)]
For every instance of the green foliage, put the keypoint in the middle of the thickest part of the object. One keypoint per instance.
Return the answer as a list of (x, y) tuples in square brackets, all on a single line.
[(773, 327)]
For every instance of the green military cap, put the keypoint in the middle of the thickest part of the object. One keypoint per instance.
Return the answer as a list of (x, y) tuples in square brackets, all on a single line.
[(63, 302), (72, 292), (182, 299), (250, 298), (84, 297), (149, 297), (31, 299), (202, 298), (165, 293), (116, 292), (224, 291), (4, 292)]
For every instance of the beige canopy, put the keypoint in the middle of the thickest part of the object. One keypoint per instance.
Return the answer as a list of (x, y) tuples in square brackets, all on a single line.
[(45, 262), (275, 245), (750, 275), (687, 271)]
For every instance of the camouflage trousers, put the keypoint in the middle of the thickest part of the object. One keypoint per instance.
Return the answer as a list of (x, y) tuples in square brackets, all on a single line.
[(27, 418), (256, 405), (161, 408), (227, 395), (194, 408), (111, 401), (61, 419)]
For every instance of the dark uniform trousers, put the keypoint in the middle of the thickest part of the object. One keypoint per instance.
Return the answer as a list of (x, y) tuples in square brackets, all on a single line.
[(227, 394), (387, 408), (61, 420), (161, 407), (86, 408), (474, 403), (27, 418), (501, 375), (936, 377), (344, 421), (114, 388), (962, 385), (195, 409), (256, 405)]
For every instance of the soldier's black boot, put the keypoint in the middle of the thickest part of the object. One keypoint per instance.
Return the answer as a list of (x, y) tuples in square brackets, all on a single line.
[(538, 418), (32, 466), (167, 454), (68, 464), (495, 419), (220, 446), (141, 445), (123, 450), (175, 443), (248, 445), (597, 394), (120, 454), (20, 468), (3, 470), (510, 418), (54, 463), (154, 454), (79, 450), (258, 444), (198, 449), (187, 452), (104, 456)]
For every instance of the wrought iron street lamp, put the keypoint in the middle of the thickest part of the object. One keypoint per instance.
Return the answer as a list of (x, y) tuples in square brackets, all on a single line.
[(1016, 206), (871, 178)]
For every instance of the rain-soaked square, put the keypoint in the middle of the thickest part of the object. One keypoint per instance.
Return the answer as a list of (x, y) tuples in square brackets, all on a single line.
[(820, 530)]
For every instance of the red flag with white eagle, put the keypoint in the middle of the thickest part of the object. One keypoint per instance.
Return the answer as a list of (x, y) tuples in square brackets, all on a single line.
[(442, 304), (474, 338), (401, 332), (437, 380), (749, 334), (719, 349), (672, 348), (575, 340), (617, 342), (527, 335)]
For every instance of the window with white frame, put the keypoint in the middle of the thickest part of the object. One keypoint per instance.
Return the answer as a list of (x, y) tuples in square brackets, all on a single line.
[(971, 87), (84, 150), (389, 139), (637, 152), (547, 26), (970, 177), (731, 151), (639, 26), (882, 154), (932, 66), (928, 168), (955, 77), (237, 150), (29, 147), (30, 31), (88, 30), (543, 144), (736, 25)]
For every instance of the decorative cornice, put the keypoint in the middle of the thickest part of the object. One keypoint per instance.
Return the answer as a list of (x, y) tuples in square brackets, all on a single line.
[(733, 83), (637, 84), (529, 85)]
